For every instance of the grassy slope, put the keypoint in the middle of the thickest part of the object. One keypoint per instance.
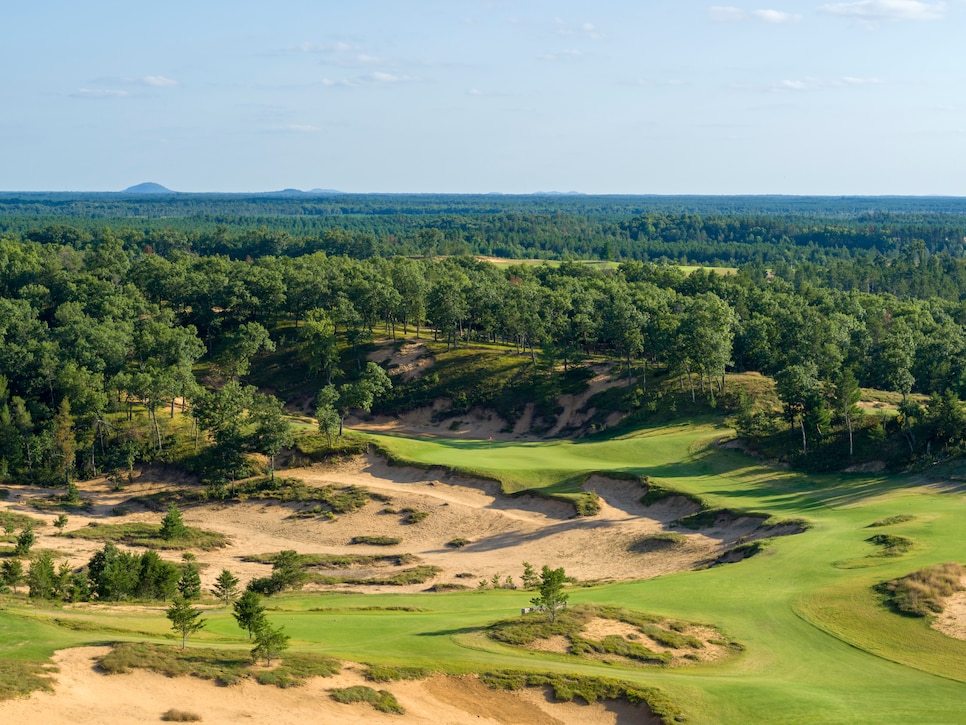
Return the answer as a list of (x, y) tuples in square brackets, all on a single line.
[(819, 649)]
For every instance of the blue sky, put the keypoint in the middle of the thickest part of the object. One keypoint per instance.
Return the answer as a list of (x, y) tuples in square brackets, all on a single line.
[(661, 97)]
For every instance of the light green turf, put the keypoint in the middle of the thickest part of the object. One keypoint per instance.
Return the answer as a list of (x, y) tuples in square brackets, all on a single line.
[(820, 648)]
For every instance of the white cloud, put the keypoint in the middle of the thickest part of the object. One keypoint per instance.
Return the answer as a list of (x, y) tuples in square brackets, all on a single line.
[(776, 16), (789, 85), (876, 10), (369, 79), (853, 81), (298, 128), (159, 82), (725, 13), (99, 93), (585, 29), (563, 55)]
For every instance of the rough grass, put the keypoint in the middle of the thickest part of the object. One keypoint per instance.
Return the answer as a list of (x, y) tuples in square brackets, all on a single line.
[(225, 667), (149, 535), (890, 545), (21, 677), (381, 700), (567, 688), (388, 673), (570, 623), (892, 521), (416, 575), (376, 540), (339, 561), (924, 591)]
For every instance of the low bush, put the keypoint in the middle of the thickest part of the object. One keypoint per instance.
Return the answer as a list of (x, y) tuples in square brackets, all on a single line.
[(388, 673), (890, 544), (383, 700), (376, 540), (458, 543), (149, 535)]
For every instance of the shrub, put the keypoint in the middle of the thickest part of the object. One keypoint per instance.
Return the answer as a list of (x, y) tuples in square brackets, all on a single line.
[(375, 540), (387, 673), (458, 543), (891, 544), (383, 700)]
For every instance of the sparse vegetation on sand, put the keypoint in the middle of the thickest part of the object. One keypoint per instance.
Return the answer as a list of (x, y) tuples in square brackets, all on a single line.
[(150, 535), (381, 700), (924, 592)]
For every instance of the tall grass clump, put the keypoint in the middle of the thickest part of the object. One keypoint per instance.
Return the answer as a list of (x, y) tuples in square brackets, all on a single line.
[(924, 591), (382, 700)]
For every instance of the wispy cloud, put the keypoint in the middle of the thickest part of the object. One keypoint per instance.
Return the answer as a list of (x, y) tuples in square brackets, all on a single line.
[(726, 13), (159, 82), (776, 16), (563, 55), (585, 30), (296, 128), (99, 93), (376, 78), (886, 10), (731, 14), (817, 84)]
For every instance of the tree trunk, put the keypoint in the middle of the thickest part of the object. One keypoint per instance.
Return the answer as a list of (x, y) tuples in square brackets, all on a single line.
[(801, 422), (848, 422)]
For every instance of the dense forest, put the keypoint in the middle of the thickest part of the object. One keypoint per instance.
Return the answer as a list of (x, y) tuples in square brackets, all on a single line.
[(112, 304)]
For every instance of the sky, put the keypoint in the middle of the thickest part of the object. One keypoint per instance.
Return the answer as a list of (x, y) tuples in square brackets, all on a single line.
[(476, 96)]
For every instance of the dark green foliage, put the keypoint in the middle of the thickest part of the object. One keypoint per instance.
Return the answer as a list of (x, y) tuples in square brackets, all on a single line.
[(11, 573), (413, 516), (389, 673), (717, 517), (249, 612), (924, 591), (25, 540), (458, 543), (890, 544), (157, 579), (185, 619), (376, 540), (189, 585), (115, 575), (587, 504), (226, 588), (149, 535), (270, 642), (892, 520), (383, 700), (42, 579), (551, 597), (172, 526)]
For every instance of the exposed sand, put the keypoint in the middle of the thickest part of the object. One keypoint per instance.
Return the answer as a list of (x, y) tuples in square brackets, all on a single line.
[(84, 696), (502, 532), (952, 620)]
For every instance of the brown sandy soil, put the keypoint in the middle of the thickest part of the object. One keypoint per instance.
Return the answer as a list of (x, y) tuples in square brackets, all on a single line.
[(502, 532), (84, 696), (952, 620)]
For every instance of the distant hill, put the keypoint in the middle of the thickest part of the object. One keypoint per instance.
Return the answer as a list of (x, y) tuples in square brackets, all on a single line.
[(148, 187)]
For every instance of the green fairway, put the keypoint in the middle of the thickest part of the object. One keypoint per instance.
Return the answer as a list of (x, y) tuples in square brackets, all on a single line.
[(819, 646)]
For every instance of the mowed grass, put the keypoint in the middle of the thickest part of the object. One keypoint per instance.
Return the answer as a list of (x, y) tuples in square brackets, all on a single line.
[(820, 647)]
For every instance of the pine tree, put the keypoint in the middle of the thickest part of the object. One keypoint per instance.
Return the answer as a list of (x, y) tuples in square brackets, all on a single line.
[(184, 619), (172, 526), (226, 587)]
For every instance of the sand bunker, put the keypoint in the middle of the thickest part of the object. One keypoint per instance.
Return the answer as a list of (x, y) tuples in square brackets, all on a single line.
[(84, 696)]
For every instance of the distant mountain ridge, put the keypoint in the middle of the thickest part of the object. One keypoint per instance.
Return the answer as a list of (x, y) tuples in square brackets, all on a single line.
[(148, 187)]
